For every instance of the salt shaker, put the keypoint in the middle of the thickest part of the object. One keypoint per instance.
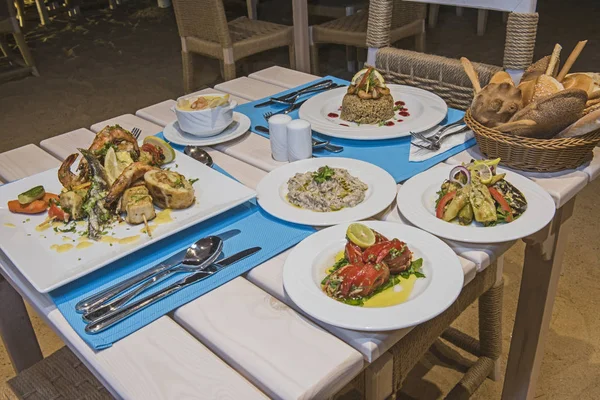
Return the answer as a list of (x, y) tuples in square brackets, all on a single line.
[(278, 136), (299, 140)]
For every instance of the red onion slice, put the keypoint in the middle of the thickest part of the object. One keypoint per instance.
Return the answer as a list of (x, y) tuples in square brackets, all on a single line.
[(457, 170)]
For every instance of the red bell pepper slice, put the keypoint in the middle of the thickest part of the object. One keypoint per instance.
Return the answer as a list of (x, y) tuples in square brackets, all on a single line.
[(439, 211), (502, 201)]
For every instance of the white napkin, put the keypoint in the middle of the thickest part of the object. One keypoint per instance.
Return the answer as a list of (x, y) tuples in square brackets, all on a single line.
[(419, 154)]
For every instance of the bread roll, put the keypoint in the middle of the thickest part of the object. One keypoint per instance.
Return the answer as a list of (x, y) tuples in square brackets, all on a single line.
[(502, 77), (579, 81), (583, 125), (552, 113), (496, 104), (542, 86), (538, 68)]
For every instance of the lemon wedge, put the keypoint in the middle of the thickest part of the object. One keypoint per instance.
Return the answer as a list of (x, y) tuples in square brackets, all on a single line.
[(358, 76), (112, 166), (360, 235), (161, 144), (483, 173)]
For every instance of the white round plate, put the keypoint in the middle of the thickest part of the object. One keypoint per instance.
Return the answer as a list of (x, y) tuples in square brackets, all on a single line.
[(425, 108), (416, 202), (238, 127), (272, 192), (308, 262)]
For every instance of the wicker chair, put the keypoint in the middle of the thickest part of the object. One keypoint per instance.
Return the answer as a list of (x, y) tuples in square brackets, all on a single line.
[(407, 19), (9, 25), (204, 30), (446, 78)]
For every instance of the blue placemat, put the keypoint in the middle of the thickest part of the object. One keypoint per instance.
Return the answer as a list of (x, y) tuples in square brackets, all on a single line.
[(391, 155), (257, 229)]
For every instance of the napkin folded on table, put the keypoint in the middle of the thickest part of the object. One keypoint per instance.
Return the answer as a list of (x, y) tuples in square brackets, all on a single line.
[(419, 154)]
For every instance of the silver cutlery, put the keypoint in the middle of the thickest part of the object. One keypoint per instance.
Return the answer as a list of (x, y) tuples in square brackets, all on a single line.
[(317, 144), (436, 144), (292, 107), (112, 318), (199, 154), (313, 86), (212, 246), (136, 132), (292, 100), (96, 300)]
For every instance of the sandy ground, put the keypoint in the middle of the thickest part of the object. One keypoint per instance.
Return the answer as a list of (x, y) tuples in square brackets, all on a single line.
[(111, 63)]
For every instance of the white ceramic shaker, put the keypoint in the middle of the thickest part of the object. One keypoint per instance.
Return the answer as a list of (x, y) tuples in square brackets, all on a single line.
[(299, 140), (278, 136)]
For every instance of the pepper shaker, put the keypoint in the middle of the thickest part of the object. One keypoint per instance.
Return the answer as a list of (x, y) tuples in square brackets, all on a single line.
[(299, 140), (278, 136)]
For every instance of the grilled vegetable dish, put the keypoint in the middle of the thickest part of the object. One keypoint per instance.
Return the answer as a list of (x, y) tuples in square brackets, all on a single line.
[(115, 176), (475, 192), (370, 265)]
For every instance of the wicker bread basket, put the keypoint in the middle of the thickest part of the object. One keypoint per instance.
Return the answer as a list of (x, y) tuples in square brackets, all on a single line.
[(530, 154)]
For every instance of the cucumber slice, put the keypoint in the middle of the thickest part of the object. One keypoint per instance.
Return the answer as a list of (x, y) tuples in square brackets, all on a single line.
[(31, 195)]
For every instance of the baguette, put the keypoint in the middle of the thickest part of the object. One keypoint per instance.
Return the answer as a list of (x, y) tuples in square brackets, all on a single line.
[(582, 126), (552, 114)]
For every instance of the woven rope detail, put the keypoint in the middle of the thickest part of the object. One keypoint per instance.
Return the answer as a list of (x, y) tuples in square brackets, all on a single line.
[(403, 13), (380, 20), (60, 376), (441, 75), (521, 31), (530, 154), (203, 19)]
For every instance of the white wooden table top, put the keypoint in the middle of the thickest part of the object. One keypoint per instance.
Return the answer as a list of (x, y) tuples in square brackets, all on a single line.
[(285, 77), (284, 354)]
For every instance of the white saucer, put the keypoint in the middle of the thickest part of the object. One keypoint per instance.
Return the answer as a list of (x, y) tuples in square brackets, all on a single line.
[(238, 127)]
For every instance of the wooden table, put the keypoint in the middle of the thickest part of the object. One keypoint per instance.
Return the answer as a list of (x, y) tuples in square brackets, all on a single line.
[(258, 343)]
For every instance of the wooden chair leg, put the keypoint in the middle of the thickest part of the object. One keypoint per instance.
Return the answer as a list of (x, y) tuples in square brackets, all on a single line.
[(420, 42), (351, 58), (16, 330), (228, 71), (314, 59), (361, 57), (292, 51), (20, 5), (4, 47), (25, 52), (433, 14), (42, 11), (482, 17), (188, 71)]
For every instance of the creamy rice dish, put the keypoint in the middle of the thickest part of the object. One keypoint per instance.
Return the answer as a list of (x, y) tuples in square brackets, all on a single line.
[(327, 189)]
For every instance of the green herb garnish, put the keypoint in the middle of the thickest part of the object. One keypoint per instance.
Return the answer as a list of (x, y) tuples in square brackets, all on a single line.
[(193, 180), (414, 269), (323, 174)]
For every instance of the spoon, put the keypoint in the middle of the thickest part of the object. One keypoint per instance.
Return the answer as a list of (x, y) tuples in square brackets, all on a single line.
[(197, 257), (199, 154)]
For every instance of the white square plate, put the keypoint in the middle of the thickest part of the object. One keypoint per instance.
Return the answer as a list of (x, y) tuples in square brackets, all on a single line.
[(47, 269)]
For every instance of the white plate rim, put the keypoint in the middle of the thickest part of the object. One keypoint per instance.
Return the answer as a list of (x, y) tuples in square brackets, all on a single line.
[(443, 288), (369, 132), (540, 209), (34, 179), (380, 197), (244, 126)]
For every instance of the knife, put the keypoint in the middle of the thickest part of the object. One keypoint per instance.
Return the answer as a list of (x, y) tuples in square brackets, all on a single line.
[(315, 85), (97, 299), (112, 318)]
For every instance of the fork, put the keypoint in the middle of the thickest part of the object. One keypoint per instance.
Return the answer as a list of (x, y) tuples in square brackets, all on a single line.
[(292, 100), (136, 132), (436, 144), (292, 107)]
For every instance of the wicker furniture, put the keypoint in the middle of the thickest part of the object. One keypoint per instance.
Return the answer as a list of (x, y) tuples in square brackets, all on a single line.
[(9, 25), (204, 30), (335, 8), (405, 20)]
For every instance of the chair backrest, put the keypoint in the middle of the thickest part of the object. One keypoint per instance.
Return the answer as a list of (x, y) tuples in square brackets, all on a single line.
[(405, 12), (202, 19)]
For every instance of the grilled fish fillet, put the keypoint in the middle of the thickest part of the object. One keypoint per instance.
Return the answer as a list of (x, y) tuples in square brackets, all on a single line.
[(138, 204), (169, 189)]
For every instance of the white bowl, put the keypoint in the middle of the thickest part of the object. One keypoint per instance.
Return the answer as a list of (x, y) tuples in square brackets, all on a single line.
[(208, 122)]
